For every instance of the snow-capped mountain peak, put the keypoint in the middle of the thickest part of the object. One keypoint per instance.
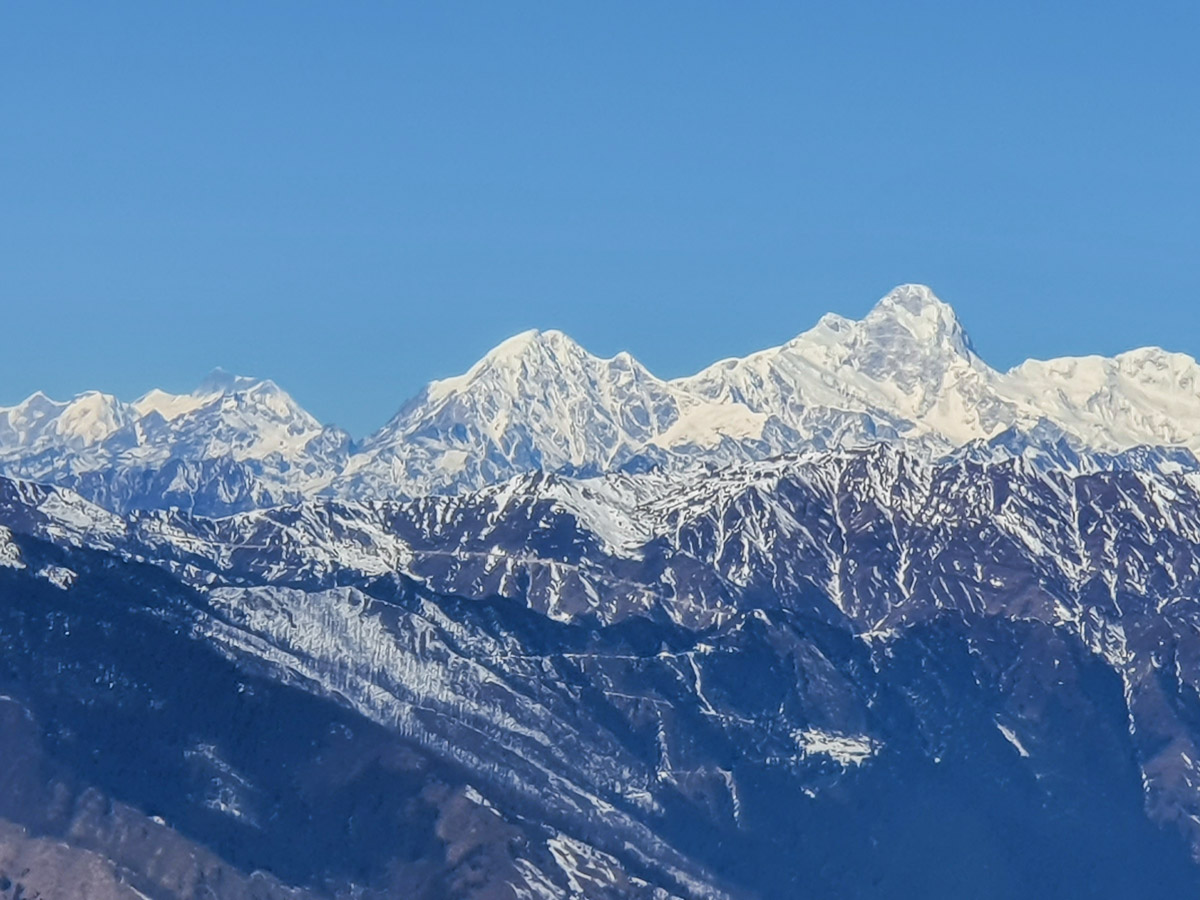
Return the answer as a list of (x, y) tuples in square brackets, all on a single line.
[(232, 390), (91, 417), (917, 302), (915, 314), (536, 401), (909, 334), (243, 441), (40, 422), (519, 363), (907, 367)]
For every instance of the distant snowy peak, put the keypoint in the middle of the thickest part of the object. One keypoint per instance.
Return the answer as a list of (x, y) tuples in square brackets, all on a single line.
[(233, 443), (908, 326), (256, 417), (926, 318), (908, 365), (1147, 396), (548, 362), (515, 364), (217, 384), (537, 401), (540, 401), (39, 422)]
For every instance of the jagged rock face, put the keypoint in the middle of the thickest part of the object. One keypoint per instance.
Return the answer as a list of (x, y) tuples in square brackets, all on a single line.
[(851, 674), (904, 374)]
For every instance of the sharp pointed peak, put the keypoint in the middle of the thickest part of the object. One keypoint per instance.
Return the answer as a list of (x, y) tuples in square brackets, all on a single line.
[(525, 340), (919, 311), (915, 300), (533, 347), (912, 313)]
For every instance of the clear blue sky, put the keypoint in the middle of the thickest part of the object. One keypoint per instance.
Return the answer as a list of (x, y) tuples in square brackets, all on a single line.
[(354, 198)]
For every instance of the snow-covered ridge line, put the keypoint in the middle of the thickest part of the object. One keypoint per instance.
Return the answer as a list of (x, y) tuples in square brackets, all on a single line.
[(906, 373)]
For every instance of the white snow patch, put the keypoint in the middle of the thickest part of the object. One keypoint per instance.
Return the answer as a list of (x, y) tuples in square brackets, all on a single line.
[(1011, 737), (845, 749), (59, 576), (10, 553), (587, 869), (705, 424)]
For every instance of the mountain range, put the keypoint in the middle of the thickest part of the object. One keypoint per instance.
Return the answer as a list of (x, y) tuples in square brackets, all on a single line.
[(905, 374), (857, 616)]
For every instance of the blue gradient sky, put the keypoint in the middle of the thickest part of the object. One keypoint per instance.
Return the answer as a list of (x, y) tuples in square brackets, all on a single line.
[(353, 198)]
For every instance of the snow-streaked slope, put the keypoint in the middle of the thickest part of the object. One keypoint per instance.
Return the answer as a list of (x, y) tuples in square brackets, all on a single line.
[(875, 543)]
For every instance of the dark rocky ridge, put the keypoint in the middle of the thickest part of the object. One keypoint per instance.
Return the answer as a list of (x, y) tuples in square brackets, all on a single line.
[(853, 675)]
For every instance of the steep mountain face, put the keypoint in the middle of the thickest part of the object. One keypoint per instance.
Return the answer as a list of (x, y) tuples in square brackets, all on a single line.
[(905, 374)]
